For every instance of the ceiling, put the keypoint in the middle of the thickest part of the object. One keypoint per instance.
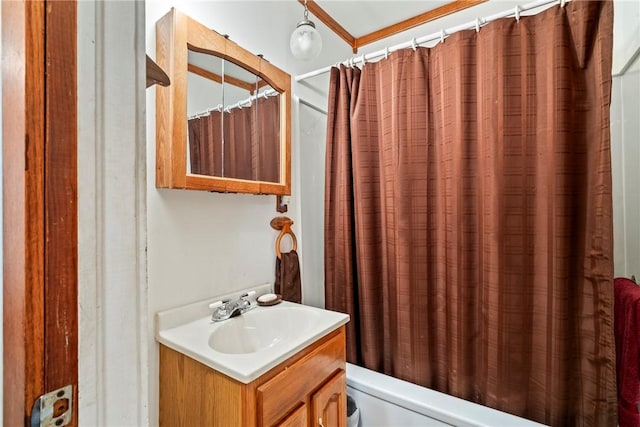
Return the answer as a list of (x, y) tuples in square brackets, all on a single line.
[(370, 21), (364, 17)]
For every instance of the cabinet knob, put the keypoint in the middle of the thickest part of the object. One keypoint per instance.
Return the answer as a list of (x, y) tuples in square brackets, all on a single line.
[(320, 422)]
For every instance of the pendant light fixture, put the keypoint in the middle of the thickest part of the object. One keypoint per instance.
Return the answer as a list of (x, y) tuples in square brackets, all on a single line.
[(305, 42)]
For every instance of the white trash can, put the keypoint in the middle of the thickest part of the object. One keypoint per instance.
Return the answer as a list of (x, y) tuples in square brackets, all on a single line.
[(353, 412)]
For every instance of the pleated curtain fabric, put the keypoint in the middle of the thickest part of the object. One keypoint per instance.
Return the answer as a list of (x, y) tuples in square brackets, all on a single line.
[(205, 144), (268, 139), (238, 147), (468, 215), (251, 146)]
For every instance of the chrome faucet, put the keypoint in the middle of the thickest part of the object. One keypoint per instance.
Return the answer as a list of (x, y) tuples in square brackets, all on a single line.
[(226, 309)]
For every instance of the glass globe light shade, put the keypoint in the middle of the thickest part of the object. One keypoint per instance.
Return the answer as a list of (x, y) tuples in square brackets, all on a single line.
[(305, 42)]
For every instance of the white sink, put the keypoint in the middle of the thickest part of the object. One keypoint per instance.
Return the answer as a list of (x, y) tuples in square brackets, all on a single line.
[(245, 346), (257, 330)]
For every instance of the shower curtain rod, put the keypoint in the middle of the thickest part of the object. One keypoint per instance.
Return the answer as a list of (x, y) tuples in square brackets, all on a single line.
[(477, 23), (239, 104)]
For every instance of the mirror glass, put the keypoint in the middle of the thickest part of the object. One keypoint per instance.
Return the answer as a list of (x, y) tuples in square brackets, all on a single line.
[(268, 130), (233, 121), (205, 101)]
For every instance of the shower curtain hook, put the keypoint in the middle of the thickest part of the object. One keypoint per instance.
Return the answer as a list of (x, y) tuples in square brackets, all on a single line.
[(477, 25), (442, 34), (364, 60), (563, 3), (386, 52), (517, 13), (414, 46)]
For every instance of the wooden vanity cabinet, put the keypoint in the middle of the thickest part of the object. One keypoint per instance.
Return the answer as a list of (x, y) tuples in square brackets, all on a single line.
[(308, 389)]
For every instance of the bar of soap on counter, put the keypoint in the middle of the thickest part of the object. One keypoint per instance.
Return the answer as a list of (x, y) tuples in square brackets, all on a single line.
[(269, 299)]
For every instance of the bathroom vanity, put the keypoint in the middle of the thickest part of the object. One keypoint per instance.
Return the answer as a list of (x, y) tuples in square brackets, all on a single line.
[(309, 386), (272, 366)]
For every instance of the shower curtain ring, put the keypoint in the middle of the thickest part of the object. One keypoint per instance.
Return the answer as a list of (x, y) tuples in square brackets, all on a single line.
[(563, 3), (517, 13), (477, 25), (414, 46), (386, 53), (442, 34)]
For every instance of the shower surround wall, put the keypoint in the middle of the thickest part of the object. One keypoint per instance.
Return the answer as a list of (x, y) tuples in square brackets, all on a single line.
[(625, 139), (625, 158)]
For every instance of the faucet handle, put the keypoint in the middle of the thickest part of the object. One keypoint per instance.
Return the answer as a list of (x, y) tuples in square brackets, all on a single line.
[(243, 303), (217, 304), (247, 294)]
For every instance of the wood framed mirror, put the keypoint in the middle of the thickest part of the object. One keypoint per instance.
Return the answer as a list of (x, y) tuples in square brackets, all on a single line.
[(224, 122)]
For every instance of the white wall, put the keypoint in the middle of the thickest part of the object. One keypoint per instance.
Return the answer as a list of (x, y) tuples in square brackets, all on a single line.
[(112, 365), (625, 138), (204, 244), (312, 128), (625, 159)]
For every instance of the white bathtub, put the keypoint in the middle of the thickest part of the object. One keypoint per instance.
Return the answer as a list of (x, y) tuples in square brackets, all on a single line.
[(390, 402)]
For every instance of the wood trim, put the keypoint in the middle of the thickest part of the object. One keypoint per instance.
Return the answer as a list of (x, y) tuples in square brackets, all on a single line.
[(250, 87), (155, 74), (23, 88), (40, 203), (444, 10), (61, 200), (226, 79), (206, 74), (175, 34), (331, 23), (358, 42)]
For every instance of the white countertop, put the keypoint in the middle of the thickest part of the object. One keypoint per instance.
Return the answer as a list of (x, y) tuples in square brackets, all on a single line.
[(188, 331)]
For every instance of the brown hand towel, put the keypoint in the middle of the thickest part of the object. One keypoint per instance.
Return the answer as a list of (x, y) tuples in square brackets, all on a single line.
[(288, 283)]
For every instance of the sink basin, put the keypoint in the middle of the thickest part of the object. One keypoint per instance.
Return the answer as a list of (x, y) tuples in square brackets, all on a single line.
[(258, 330), (248, 345)]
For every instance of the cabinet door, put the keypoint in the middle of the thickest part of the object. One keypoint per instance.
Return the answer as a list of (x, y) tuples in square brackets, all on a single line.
[(329, 404), (297, 419)]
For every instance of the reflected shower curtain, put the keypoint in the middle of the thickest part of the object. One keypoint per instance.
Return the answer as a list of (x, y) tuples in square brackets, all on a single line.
[(205, 144), (468, 215), (251, 146)]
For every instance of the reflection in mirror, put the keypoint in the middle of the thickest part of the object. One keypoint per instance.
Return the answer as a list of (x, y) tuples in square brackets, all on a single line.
[(239, 119), (268, 132), (205, 100), (233, 121), (251, 127)]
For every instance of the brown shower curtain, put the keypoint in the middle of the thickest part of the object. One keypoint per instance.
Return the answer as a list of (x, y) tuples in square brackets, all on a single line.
[(205, 144), (468, 215), (268, 134), (251, 142)]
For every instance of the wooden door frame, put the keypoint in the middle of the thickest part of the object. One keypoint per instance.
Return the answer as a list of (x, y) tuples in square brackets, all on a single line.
[(40, 318)]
